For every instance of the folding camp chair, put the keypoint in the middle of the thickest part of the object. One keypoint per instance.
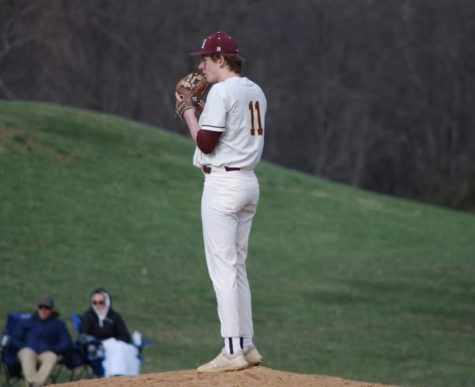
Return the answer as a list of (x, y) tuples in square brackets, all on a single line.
[(11, 366), (90, 349), (93, 351)]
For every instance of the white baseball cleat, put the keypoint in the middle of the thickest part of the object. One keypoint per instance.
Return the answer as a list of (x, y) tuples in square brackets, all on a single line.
[(225, 362), (252, 356)]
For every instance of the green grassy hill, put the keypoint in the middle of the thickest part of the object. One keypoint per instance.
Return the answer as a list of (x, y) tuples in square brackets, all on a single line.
[(344, 282)]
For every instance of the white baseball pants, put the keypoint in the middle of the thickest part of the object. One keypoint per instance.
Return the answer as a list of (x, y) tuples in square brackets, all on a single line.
[(228, 206)]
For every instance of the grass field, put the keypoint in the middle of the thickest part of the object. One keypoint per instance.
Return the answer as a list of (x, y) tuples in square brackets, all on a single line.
[(344, 282)]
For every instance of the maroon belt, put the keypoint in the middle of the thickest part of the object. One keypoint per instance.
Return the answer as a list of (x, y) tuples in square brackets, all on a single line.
[(207, 169)]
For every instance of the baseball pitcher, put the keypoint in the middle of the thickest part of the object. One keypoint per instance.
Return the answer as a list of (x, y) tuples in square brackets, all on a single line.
[(229, 137)]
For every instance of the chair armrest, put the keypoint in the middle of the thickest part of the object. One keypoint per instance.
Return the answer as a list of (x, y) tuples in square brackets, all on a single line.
[(4, 341)]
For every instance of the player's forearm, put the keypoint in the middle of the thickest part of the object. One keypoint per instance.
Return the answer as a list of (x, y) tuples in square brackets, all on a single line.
[(190, 118)]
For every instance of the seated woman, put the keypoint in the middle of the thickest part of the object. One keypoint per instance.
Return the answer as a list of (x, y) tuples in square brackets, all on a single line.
[(105, 324)]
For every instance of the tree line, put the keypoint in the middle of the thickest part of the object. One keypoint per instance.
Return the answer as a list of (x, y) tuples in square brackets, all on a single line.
[(376, 94)]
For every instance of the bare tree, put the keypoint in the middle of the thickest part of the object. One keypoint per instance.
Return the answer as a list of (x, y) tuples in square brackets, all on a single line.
[(13, 37), (377, 94)]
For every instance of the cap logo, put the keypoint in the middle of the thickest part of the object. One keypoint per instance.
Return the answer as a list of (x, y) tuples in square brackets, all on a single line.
[(218, 48)]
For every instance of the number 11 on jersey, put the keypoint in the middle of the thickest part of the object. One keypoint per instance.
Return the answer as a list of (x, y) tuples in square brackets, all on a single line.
[(255, 118)]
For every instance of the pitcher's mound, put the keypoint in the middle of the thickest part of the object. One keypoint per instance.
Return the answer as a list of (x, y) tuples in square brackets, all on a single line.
[(252, 377)]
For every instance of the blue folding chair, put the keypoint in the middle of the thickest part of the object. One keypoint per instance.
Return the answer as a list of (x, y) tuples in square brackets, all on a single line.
[(11, 367), (90, 349), (93, 350), (10, 364)]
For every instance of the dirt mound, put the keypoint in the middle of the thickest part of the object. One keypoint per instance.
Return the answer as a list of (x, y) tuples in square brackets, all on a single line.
[(252, 377)]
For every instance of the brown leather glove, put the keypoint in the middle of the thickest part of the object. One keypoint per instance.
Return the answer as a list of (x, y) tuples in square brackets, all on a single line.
[(189, 92)]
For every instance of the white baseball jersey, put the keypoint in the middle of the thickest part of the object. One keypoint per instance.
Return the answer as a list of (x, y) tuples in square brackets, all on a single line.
[(236, 107)]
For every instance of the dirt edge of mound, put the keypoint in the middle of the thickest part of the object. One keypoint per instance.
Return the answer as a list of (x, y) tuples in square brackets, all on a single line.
[(252, 377)]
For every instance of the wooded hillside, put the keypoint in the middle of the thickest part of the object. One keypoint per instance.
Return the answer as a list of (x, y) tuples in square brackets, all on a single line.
[(376, 94)]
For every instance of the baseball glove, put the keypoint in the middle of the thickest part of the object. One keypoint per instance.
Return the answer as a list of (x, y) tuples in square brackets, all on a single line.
[(189, 92)]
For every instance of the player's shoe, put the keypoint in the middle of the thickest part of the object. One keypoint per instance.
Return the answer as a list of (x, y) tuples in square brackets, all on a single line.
[(252, 356), (225, 362)]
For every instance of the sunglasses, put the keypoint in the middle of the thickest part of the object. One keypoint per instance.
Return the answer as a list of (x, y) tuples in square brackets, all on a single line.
[(44, 307), (98, 302)]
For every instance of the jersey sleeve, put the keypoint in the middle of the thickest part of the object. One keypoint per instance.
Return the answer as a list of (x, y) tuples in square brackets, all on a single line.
[(214, 114), (207, 140)]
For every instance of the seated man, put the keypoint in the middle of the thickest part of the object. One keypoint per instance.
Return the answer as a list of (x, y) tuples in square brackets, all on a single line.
[(107, 325), (40, 339)]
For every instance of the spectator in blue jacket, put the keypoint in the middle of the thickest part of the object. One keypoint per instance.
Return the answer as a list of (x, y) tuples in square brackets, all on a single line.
[(40, 340)]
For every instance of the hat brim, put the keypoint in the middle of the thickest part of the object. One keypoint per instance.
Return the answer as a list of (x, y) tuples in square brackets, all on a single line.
[(203, 52), (197, 53)]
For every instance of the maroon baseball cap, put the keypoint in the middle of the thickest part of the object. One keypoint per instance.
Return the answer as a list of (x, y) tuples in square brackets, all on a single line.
[(217, 43)]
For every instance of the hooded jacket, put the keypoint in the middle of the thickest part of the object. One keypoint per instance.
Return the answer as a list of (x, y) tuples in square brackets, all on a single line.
[(40, 335), (111, 326)]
